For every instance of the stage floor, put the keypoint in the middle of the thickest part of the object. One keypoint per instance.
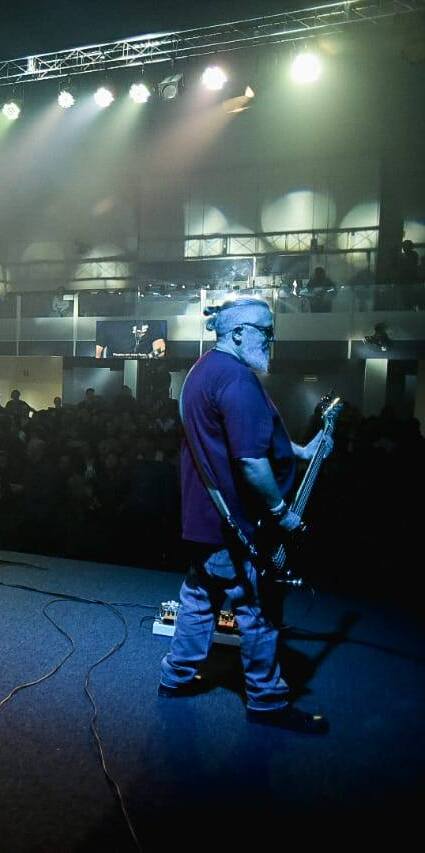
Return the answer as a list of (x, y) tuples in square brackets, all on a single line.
[(361, 662)]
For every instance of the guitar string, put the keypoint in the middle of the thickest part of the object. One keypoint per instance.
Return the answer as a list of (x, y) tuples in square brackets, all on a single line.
[(307, 477), (312, 477), (302, 496), (303, 493)]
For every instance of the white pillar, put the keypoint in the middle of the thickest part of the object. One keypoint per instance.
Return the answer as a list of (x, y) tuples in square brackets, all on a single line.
[(131, 374), (177, 379), (375, 385)]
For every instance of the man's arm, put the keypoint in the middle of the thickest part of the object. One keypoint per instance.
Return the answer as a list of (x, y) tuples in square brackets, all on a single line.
[(309, 450), (298, 451), (259, 476)]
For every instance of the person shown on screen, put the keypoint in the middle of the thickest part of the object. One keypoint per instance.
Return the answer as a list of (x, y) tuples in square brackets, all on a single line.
[(131, 338), (143, 343)]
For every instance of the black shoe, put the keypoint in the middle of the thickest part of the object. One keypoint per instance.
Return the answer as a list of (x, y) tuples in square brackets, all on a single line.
[(191, 688), (291, 718)]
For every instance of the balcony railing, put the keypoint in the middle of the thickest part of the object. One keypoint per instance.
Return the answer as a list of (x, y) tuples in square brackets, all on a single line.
[(284, 297)]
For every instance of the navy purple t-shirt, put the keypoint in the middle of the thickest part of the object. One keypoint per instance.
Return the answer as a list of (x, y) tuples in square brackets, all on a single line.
[(229, 416)]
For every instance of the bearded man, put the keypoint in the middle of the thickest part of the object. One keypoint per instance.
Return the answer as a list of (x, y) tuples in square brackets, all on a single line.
[(242, 444)]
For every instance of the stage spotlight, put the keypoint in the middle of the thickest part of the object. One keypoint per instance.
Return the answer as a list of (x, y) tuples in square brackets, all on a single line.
[(103, 97), (66, 99), (239, 102), (214, 78), (306, 67), (170, 87), (139, 93), (11, 110)]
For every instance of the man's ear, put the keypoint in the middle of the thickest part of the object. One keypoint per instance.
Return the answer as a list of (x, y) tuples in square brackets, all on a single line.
[(237, 335)]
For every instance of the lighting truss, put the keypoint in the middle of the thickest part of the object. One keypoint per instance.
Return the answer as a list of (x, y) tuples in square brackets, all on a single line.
[(287, 26)]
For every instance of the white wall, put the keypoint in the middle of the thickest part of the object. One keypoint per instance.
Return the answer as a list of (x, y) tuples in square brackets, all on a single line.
[(106, 382), (38, 378)]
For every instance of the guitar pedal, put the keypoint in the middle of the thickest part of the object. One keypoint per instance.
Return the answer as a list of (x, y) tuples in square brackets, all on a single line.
[(226, 631)]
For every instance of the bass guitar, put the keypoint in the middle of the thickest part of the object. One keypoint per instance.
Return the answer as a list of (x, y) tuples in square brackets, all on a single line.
[(269, 553)]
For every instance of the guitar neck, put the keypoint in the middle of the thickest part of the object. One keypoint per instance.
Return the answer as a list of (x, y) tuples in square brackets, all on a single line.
[(299, 503)]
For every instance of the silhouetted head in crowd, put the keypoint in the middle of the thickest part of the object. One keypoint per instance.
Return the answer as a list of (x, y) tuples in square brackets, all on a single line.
[(91, 401), (148, 450), (412, 430), (35, 449), (15, 395), (104, 446), (57, 402), (111, 462), (110, 429), (65, 464), (319, 274), (407, 246)]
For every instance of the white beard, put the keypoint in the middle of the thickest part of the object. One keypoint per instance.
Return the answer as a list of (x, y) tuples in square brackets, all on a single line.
[(257, 358)]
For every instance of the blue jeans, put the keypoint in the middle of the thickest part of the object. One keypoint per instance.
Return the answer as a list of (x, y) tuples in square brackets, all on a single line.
[(215, 575)]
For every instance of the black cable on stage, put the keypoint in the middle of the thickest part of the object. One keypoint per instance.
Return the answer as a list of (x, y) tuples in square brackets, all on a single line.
[(52, 671), (23, 565), (96, 735), (59, 596), (145, 618)]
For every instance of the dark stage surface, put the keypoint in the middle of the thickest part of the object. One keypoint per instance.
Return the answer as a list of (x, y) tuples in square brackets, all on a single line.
[(197, 761)]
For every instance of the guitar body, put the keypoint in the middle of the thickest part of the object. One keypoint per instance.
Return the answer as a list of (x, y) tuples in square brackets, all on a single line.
[(278, 553)]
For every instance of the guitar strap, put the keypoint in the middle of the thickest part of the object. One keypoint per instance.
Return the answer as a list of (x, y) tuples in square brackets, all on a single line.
[(213, 492)]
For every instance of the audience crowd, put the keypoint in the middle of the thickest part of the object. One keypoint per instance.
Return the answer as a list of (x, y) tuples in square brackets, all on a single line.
[(365, 513), (100, 481)]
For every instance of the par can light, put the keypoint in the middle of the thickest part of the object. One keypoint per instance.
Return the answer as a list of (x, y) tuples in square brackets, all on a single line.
[(66, 99), (306, 68), (11, 110), (103, 97), (214, 78), (170, 87), (139, 93)]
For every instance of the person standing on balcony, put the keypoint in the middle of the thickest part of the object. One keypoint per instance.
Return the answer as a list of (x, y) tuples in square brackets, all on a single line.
[(320, 288)]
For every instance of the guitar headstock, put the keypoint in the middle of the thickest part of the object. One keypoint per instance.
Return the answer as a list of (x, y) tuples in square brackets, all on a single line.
[(331, 409)]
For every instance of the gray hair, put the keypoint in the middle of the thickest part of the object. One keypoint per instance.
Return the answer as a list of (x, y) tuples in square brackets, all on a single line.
[(222, 319)]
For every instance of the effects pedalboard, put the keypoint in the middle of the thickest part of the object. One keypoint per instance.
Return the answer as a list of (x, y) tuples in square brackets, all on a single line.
[(226, 631)]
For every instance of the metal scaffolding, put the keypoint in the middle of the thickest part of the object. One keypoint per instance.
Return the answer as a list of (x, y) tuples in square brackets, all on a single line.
[(287, 26)]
